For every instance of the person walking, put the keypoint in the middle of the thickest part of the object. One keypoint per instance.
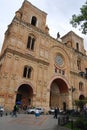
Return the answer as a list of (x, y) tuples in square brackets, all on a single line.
[(37, 113), (15, 110)]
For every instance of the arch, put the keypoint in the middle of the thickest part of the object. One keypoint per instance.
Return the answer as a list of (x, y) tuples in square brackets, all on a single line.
[(59, 49), (58, 77), (31, 42), (77, 46), (24, 96), (54, 50), (34, 20), (59, 93), (61, 84), (28, 83), (81, 97), (27, 71)]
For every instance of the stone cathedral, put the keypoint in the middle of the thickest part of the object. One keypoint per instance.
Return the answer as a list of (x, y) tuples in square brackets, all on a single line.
[(37, 69)]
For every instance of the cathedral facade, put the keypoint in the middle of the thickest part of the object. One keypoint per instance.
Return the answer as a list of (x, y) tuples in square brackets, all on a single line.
[(37, 69)]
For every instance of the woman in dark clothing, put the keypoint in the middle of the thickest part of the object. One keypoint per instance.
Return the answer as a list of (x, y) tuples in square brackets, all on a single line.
[(56, 112)]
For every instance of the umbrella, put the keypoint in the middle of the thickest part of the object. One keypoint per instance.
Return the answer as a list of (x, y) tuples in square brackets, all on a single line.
[(18, 102)]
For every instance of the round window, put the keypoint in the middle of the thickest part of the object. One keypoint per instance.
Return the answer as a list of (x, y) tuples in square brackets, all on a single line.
[(59, 60)]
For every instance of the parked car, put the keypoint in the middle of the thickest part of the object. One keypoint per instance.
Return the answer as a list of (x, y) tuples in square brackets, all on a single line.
[(41, 110), (51, 111), (32, 110)]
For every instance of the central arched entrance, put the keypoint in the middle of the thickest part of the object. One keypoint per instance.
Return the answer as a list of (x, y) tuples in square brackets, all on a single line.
[(24, 95), (59, 94)]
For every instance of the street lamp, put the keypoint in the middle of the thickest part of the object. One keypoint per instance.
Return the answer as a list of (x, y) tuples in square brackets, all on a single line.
[(72, 89)]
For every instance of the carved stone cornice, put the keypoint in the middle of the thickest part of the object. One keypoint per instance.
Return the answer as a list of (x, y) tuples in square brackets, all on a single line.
[(26, 56)]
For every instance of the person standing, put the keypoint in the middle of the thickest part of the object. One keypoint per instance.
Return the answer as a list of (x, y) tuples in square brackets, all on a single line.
[(56, 112)]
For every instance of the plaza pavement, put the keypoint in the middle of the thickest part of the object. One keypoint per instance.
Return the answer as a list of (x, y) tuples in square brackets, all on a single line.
[(29, 122)]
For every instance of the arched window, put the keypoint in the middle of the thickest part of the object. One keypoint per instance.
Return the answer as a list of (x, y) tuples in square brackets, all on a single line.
[(81, 97), (77, 46), (80, 86), (27, 71), (30, 42), (34, 20), (32, 45)]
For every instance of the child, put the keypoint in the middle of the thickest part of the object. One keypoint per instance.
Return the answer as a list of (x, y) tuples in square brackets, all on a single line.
[(37, 113)]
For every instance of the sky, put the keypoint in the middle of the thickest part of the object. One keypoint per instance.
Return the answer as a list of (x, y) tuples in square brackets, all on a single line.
[(59, 14)]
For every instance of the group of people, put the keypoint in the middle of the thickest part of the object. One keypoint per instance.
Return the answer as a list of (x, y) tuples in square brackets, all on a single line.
[(37, 113), (16, 109)]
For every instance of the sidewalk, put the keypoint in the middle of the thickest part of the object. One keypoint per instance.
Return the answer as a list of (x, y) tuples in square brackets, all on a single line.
[(29, 122)]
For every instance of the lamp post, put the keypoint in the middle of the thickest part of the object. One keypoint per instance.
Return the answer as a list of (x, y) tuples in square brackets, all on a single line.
[(72, 89)]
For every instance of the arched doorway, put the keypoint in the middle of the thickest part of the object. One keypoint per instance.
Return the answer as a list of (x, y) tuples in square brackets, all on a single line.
[(81, 97), (24, 95), (59, 94)]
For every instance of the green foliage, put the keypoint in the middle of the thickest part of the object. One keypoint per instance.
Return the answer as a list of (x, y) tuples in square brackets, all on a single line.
[(80, 103), (79, 124), (80, 19), (69, 125)]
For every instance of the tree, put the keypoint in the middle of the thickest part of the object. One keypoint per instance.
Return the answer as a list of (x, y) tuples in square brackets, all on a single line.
[(80, 103), (81, 19)]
